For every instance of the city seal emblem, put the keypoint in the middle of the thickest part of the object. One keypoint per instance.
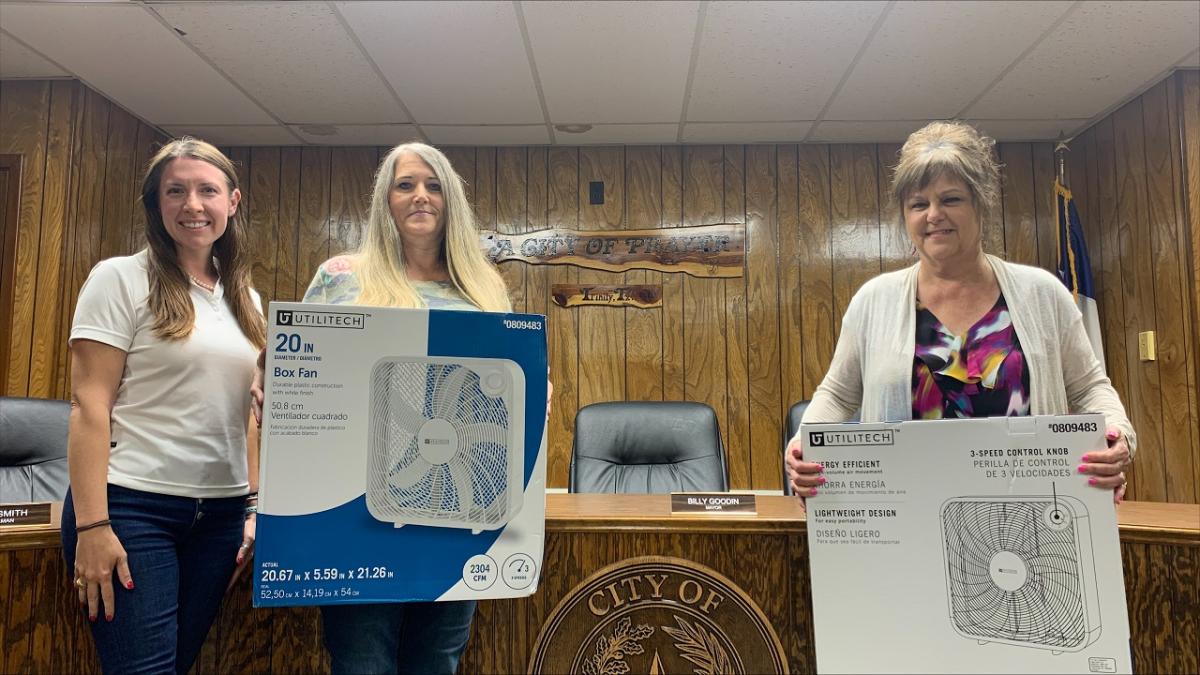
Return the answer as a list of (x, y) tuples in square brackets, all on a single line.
[(657, 615)]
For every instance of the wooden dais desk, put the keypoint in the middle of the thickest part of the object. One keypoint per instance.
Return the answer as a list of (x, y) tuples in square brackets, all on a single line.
[(765, 556)]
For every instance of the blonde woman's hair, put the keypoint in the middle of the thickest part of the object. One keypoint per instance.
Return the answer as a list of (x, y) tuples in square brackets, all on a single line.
[(170, 297), (379, 261), (953, 149)]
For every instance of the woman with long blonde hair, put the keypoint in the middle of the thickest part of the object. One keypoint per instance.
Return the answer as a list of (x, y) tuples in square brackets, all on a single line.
[(421, 249), (163, 477)]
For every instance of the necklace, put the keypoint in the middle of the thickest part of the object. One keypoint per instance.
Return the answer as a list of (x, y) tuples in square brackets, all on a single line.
[(211, 288)]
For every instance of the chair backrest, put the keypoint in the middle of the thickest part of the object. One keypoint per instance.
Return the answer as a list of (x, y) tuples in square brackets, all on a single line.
[(647, 447), (792, 425), (33, 449)]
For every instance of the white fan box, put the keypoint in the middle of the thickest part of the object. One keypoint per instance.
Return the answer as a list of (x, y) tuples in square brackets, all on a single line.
[(964, 546), (403, 456)]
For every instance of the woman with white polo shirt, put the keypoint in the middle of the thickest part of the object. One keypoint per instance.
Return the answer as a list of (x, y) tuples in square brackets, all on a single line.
[(163, 347)]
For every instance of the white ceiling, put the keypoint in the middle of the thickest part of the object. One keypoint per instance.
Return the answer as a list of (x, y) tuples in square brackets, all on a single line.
[(238, 72)]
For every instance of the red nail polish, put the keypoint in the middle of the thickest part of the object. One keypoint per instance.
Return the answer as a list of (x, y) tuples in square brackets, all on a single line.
[(108, 617), (1091, 481), (1087, 458), (129, 585), (1112, 435), (822, 480), (813, 492), (1082, 469), (239, 559), (92, 618)]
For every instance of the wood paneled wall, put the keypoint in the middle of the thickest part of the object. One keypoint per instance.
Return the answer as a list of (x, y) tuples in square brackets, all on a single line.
[(818, 225), (81, 158), (1136, 180)]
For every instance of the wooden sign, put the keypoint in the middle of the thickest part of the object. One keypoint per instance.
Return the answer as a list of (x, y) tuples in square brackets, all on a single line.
[(576, 295), (702, 251)]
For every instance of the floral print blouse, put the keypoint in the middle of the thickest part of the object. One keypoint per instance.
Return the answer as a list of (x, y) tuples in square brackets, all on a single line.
[(336, 284), (979, 374)]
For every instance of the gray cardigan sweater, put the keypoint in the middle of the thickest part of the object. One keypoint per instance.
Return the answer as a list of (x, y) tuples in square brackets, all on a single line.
[(873, 360)]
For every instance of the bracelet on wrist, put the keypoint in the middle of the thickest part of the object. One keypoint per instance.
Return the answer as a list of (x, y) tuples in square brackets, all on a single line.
[(252, 508), (92, 526)]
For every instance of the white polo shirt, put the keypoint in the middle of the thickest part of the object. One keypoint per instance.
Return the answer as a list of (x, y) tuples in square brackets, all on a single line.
[(179, 421)]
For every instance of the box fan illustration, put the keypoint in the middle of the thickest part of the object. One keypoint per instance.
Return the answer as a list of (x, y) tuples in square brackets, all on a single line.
[(1020, 571), (446, 442)]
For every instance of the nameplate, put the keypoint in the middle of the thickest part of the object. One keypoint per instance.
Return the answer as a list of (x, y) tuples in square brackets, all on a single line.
[(712, 503), (25, 514)]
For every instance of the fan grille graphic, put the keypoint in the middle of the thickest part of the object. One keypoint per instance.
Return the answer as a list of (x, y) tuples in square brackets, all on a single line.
[(1019, 571), (445, 444)]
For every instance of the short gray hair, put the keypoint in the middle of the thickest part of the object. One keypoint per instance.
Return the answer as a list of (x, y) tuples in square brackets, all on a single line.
[(954, 149)]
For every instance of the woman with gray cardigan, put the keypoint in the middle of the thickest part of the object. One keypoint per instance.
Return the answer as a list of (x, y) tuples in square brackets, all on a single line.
[(962, 333)]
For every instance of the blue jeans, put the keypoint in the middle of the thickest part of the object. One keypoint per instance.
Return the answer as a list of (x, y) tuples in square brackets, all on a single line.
[(181, 554), (409, 637)]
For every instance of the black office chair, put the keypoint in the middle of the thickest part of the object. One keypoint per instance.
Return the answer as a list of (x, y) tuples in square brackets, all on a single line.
[(33, 449), (795, 414), (647, 447)]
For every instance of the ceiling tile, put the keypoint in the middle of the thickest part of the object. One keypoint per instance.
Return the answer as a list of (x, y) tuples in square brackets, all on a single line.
[(487, 135), (139, 63), (901, 76), (362, 134), (1029, 130), (295, 58), (1101, 54), (17, 60), (862, 131), (612, 61), (237, 135), (625, 134), (745, 132), (775, 61), (450, 62)]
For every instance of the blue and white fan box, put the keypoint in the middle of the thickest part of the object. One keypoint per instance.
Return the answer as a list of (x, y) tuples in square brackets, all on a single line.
[(403, 456)]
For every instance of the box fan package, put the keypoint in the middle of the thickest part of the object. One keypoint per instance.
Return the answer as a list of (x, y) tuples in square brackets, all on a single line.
[(403, 455), (960, 546)]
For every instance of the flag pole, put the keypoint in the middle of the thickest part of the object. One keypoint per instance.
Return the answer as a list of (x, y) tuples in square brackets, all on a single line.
[(1060, 152)]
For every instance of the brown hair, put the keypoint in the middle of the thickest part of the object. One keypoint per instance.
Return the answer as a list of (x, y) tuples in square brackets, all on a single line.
[(954, 149), (169, 295)]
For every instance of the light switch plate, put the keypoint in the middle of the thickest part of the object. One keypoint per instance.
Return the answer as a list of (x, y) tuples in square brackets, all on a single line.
[(1146, 347)]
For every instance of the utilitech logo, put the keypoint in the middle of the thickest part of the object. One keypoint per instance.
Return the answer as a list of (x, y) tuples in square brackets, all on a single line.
[(289, 317), (827, 438)]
